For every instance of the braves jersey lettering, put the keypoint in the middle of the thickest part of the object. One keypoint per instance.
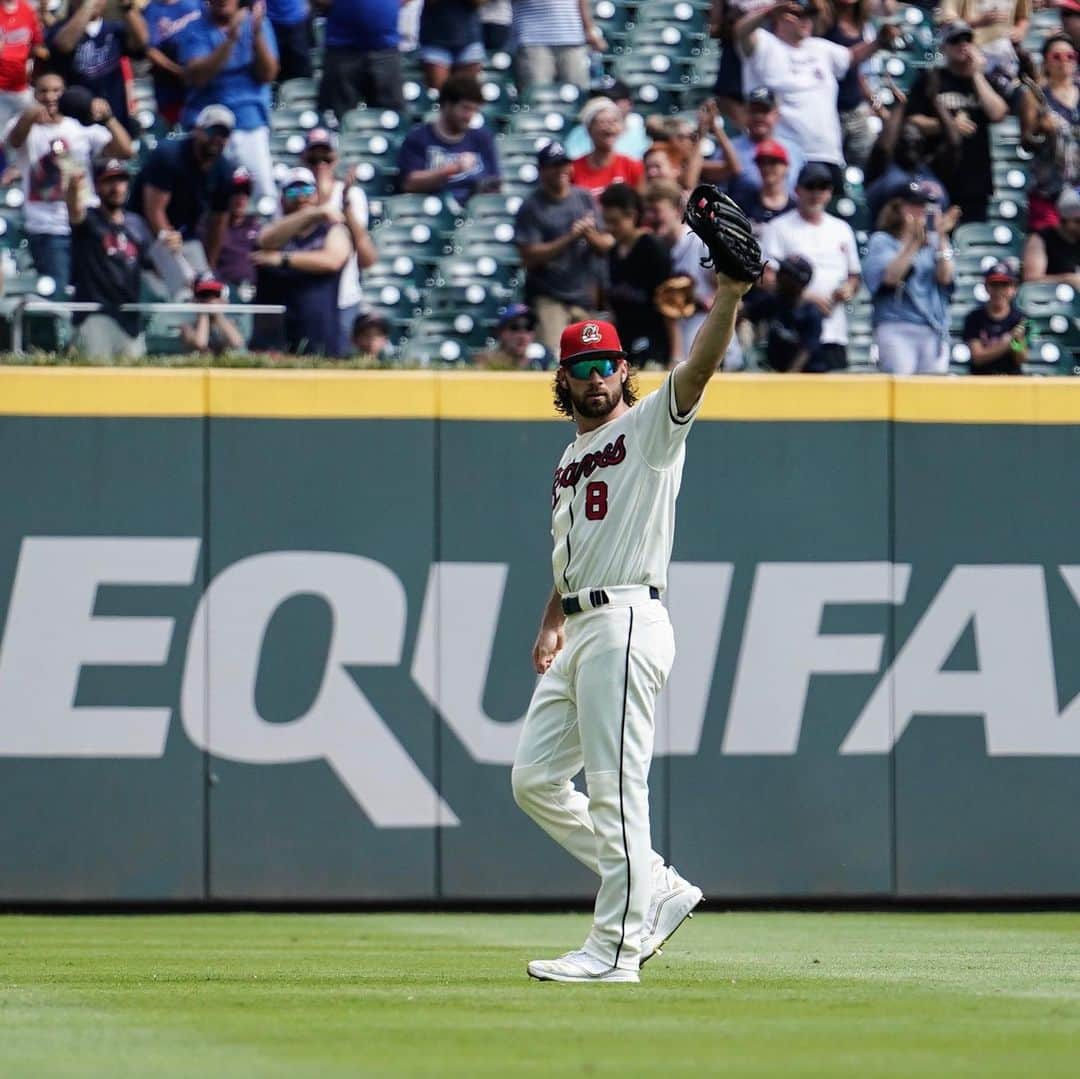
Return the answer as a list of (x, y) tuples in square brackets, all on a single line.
[(437, 157), (614, 453), (621, 534)]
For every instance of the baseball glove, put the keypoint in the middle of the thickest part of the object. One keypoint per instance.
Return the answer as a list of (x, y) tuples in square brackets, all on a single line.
[(727, 233), (674, 298)]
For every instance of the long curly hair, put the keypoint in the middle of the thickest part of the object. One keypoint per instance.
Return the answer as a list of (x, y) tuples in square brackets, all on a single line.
[(564, 405)]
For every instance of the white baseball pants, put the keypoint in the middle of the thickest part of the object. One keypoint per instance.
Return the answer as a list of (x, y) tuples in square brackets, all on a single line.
[(594, 707)]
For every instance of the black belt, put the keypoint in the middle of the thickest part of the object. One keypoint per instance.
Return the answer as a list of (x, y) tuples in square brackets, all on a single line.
[(597, 598)]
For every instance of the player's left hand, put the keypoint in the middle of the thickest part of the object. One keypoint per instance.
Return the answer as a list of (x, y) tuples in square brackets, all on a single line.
[(548, 645)]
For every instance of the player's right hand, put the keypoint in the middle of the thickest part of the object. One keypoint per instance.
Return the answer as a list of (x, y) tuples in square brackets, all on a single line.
[(549, 643)]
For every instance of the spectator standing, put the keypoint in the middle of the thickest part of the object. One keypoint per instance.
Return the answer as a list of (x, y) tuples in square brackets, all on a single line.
[(517, 348), (361, 61), (557, 232), (803, 73), (729, 89), (908, 268), (49, 148), (996, 333), (638, 263), (554, 39), (87, 50), (1053, 253), (899, 157), (449, 155), (849, 24), (21, 39), (496, 18), (762, 117), (603, 166), (451, 40), (300, 259), (165, 19), (234, 263), (956, 104), (791, 325), (212, 332), (321, 156), (1050, 130), (109, 247), (999, 28), (291, 20), (185, 180), (761, 203), (829, 245), (230, 58)]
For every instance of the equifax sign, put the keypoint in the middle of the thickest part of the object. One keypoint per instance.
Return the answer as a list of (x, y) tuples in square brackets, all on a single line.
[(51, 633)]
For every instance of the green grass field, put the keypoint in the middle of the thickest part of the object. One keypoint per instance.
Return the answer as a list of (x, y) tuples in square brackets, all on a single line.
[(745, 994)]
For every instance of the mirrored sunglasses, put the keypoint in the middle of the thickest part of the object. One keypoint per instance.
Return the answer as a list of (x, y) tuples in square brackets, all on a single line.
[(604, 366), (294, 191)]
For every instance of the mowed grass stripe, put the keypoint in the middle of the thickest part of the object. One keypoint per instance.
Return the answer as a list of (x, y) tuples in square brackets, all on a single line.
[(757, 994)]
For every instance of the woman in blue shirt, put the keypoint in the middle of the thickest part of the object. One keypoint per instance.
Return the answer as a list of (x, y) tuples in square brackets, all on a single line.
[(908, 268)]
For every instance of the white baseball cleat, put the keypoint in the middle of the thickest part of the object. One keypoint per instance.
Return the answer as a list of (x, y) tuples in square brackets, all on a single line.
[(578, 967), (673, 901)]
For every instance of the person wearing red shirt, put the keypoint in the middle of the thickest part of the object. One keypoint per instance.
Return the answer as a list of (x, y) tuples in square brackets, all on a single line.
[(21, 38), (602, 119)]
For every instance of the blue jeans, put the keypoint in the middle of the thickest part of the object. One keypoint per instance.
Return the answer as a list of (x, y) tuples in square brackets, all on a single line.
[(52, 257)]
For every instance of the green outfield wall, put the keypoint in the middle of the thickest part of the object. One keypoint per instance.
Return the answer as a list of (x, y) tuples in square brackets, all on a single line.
[(266, 636)]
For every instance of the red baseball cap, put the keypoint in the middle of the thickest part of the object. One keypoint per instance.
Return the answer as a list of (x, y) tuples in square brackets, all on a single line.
[(1072, 6), (771, 148), (590, 338)]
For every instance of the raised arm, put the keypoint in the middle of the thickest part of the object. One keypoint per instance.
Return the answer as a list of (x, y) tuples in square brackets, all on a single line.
[(204, 69), (749, 24), (70, 34), (710, 344), (265, 65)]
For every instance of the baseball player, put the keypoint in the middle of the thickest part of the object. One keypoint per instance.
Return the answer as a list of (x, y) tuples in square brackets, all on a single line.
[(605, 645)]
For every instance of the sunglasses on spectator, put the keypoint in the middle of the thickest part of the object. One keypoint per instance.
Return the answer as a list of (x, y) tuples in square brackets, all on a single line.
[(818, 185), (318, 157), (295, 191), (1061, 55), (583, 369), (217, 131), (519, 326)]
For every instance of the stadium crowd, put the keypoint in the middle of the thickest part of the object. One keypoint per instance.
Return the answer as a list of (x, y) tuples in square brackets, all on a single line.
[(149, 157)]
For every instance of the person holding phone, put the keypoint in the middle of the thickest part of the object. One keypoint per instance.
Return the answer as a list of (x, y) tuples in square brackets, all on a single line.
[(908, 268)]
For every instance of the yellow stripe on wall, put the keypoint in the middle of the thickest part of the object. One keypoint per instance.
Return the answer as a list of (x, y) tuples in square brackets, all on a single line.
[(101, 391), (518, 396)]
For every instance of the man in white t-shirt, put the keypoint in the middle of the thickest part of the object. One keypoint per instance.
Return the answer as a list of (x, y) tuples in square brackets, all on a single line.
[(321, 156), (803, 72), (829, 244), (49, 148)]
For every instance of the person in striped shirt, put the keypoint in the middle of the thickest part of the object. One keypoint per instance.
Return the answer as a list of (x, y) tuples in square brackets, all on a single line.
[(554, 39)]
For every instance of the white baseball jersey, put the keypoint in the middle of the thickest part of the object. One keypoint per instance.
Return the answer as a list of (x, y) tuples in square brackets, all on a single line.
[(613, 497)]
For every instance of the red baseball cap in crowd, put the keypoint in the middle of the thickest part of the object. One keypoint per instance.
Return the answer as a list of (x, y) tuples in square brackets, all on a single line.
[(588, 339), (770, 148), (1071, 6)]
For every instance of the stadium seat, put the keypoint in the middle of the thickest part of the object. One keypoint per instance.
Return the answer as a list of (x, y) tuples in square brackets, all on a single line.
[(297, 93), (493, 207), (411, 209)]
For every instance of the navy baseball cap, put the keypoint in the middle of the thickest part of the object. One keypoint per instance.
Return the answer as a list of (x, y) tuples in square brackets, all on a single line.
[(552, 153), (815, 172), (1001, 273), (761, 96), (516, 311), (798, 267)]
